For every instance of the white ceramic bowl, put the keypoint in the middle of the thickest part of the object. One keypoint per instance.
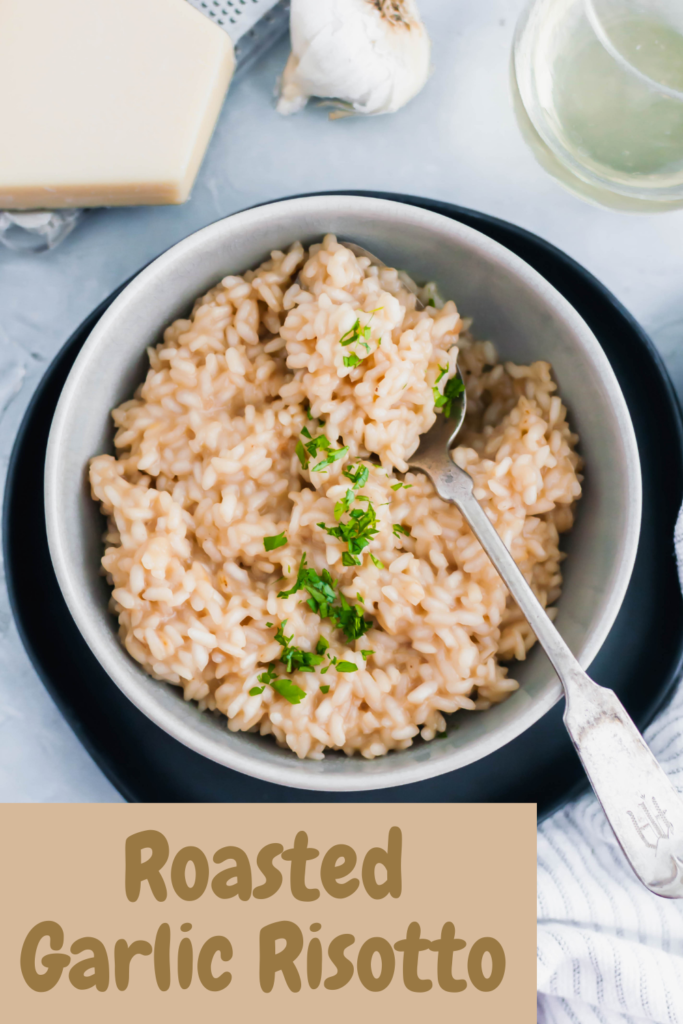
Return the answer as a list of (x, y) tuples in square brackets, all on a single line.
[(511, 304)]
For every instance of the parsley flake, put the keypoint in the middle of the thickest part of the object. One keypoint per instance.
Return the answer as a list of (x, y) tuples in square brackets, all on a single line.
[(321, 588), (301, 454), (358, 475), (349, 618), (278, 541), (295, 660), (285, 687), (398, 529), (453, 388), (305, 451), (346, 666), (324, 689), (322, 593), (355, 334), (289, 690), (358, 335), (255, 690), (322, 645), (397, 487), (332, 456), (357, 532)]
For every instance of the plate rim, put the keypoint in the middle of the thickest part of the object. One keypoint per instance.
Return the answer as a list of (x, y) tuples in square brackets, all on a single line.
[(302, 775), (452, 211)]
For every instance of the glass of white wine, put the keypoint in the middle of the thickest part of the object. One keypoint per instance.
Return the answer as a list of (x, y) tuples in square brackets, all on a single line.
[(598, 91)]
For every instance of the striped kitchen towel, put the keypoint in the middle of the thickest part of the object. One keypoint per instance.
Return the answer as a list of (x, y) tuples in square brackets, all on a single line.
[(609, 951)]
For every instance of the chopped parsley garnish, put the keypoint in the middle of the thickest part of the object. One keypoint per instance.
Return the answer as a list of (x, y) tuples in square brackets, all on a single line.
[(313, 445), (278, 541), (324, 689), (333, 661), (301, 454), (349, 618), (294, 659), (344, 504), (399, 529), (453, 388), (376, 561), (430, 302), (285, 687), (332, 456), (397, 487), (322, 592), (289, 690), (346, 666), (358, 475), (356, 333), (307, 410), (357, 532), (366, 654), (321, 588), (443, 370)]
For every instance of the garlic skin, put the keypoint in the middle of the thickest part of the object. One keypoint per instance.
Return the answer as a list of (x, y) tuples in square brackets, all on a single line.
[(372, 56)]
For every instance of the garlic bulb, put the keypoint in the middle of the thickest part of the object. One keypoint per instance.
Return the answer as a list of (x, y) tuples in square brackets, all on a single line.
[(371, 56)]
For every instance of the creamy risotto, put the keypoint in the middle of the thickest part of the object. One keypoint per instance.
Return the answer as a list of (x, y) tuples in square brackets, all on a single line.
[(269, 549)]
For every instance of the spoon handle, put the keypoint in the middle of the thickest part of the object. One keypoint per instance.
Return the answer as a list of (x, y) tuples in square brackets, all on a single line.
[(641, 805)]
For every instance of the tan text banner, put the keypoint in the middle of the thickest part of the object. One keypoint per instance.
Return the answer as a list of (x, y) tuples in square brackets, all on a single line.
[(287, 912)]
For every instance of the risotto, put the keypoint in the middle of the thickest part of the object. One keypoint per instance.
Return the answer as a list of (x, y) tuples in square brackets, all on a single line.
[(269, 550)]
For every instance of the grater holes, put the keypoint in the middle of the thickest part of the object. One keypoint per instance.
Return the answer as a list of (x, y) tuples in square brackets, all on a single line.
[(241, 18), (229, 9)]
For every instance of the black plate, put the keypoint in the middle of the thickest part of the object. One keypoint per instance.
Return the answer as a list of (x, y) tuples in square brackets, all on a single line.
[(641, 658)]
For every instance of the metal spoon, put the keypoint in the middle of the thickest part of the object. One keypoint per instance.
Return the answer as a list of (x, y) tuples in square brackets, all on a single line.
[(641, 805)]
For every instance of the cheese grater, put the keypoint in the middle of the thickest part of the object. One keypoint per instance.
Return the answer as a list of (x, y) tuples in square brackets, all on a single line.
[(253, 26)]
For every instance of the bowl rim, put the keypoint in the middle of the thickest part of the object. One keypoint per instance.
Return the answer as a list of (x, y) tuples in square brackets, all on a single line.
[(307, 774)]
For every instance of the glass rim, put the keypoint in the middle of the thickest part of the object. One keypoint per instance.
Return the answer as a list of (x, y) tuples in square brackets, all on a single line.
[(604, 39), (524, 87)]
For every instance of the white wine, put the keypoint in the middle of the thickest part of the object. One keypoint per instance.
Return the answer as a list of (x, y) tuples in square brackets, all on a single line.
[(604, 99)]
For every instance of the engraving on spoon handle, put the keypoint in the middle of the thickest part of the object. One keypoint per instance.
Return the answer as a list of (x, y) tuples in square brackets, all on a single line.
[(639, 800), (640, 803)]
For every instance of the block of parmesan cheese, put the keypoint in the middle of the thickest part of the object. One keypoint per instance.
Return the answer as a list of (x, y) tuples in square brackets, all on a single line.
[(106, 102)]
